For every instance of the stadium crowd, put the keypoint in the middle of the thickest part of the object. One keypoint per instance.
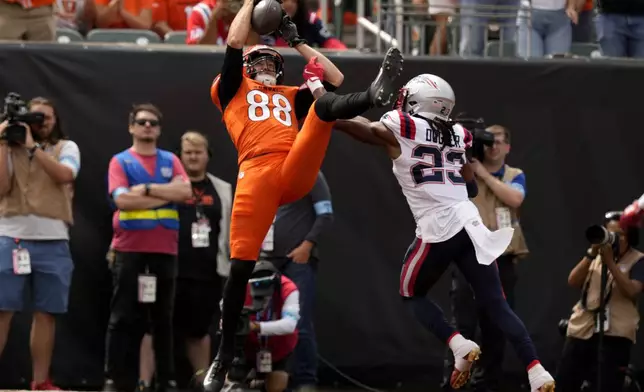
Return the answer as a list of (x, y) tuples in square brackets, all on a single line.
[(533, 28)]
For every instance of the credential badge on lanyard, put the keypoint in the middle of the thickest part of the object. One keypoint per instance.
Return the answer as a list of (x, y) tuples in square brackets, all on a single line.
[(21, 260), (147, 287), (503, 217), (200, 229)]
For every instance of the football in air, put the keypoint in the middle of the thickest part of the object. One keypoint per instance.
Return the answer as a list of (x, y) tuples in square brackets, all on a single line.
[(267, 16)]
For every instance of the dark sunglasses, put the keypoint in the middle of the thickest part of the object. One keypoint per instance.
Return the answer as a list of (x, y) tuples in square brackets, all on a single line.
[(143, 121)]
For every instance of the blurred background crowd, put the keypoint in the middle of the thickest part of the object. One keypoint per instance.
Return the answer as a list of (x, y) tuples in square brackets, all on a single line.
[(466, 28)]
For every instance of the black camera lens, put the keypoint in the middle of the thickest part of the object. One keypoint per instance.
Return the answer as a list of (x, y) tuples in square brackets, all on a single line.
[(598, 235)]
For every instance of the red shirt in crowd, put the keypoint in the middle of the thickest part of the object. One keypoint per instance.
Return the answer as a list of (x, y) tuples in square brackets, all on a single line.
[(198, 22)]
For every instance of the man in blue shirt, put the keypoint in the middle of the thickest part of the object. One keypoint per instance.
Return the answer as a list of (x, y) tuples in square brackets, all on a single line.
[(291, 245), (502, 189)]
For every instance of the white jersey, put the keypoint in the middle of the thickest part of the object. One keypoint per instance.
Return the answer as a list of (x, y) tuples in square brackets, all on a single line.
[(429, 175)]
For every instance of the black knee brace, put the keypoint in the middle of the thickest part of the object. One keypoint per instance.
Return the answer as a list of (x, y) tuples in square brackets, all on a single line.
[(323, 107)]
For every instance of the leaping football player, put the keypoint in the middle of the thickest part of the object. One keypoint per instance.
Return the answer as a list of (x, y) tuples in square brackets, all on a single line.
[(428, 151), (277, 165)]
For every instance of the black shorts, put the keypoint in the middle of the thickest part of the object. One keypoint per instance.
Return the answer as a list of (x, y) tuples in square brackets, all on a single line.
[(195, 305)]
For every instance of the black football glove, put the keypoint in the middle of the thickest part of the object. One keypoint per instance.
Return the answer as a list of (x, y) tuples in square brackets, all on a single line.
[(288, 31)]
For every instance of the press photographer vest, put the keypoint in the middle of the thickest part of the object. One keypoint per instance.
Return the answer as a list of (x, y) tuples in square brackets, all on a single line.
[(33, 191), (166, 215), (280, 346), (624, 317), (487, 203)]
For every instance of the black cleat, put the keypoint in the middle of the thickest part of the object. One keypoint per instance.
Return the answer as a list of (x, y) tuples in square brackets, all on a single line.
[(216, 375), (381, 91)]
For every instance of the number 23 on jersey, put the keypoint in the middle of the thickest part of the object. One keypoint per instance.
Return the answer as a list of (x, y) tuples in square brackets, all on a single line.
[(434, 173), (262, 106)]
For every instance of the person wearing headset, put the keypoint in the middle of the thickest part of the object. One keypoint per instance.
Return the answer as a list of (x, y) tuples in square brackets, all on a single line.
[(204, 222), (273, 303)]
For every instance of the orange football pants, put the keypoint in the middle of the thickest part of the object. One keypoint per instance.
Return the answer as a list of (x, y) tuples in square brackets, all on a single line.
[(268, 181)]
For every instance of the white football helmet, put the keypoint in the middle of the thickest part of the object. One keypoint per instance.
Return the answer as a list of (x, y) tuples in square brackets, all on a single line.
[(428, 96)]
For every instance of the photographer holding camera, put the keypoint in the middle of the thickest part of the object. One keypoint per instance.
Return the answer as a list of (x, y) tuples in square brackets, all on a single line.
[(37, 167), (268, 328), (501, 191), (614, 248)]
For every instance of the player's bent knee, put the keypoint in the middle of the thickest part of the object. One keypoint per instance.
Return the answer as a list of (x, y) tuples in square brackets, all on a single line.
[(322, 107)]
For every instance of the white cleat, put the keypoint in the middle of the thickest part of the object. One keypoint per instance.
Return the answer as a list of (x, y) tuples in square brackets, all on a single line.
[(466, 352)]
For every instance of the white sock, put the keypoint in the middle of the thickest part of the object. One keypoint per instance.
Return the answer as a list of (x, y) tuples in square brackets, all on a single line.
[(535, 371), (457, 341), (537, 375)]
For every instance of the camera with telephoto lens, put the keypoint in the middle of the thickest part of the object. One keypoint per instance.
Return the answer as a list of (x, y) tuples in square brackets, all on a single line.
[(598, 235), (480, 137), (15, 112)]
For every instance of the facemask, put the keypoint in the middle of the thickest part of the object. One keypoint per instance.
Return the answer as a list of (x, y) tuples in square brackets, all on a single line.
[(266, 79)]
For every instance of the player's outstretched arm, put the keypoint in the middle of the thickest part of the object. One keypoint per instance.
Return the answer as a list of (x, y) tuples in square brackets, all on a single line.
[(467, 172), (361, 129), (240, 27), (331, 73), (225, 86), (288, 31)]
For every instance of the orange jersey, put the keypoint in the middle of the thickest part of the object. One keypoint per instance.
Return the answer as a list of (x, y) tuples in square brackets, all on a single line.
[(174, 12), (260, 119), (132, 6)]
